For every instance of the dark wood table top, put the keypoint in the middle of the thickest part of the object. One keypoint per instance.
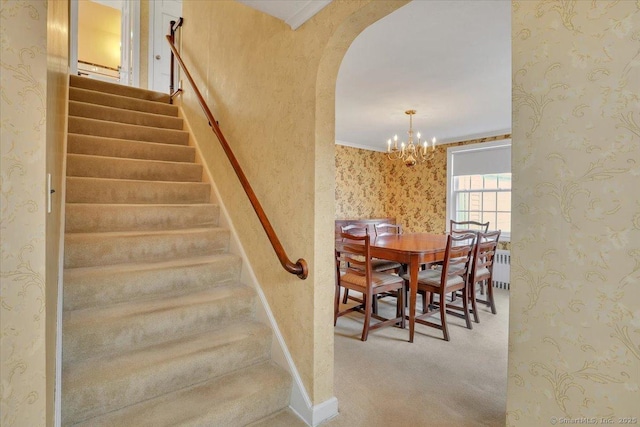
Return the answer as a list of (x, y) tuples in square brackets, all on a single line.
[(411, 242)]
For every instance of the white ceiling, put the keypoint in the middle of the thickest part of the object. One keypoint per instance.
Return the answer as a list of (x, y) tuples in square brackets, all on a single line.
[(449, 60)]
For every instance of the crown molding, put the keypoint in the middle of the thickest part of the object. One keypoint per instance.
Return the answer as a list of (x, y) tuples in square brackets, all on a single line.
[(382, 149), (306, 12)]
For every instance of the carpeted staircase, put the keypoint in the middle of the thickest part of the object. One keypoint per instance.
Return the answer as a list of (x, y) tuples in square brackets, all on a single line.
[(157, 328)]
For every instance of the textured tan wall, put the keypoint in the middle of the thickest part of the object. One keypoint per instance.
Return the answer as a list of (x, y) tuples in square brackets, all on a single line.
[(575, 301), (23, 129), (273, 91)]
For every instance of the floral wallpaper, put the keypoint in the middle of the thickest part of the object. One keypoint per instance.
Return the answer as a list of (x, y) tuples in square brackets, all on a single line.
[(23, 66), (361, 183), (369, 185), (574, 335)]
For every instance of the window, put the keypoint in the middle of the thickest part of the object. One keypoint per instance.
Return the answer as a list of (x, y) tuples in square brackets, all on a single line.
[(479, 182)]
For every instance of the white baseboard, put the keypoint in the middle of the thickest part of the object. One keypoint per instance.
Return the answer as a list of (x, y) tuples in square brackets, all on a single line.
[(299, 401), (317, 414)]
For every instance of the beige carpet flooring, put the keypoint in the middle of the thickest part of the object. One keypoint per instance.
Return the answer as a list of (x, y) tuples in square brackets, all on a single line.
[(387, 381)]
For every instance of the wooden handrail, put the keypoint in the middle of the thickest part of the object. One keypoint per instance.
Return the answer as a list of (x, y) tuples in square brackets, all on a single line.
[(300, 268)]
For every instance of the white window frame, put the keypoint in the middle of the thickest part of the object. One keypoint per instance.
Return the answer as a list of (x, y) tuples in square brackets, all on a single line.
[(451, 151)]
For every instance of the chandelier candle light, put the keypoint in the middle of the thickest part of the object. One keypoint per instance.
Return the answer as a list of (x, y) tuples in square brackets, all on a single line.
[(410, 153)]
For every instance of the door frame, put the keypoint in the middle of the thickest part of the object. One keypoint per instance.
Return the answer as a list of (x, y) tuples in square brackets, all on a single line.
[(153, 45), (131, 45)]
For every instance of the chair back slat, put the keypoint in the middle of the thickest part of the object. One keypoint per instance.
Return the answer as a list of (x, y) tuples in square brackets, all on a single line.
[(485, 250), (457, 257), (387, 229), (354, 230), (474, 226), (355, 254)]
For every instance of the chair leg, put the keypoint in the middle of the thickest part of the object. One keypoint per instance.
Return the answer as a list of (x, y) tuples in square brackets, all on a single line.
[(490, 297), (345, 298), (336, 305), (472, 297), (367, 317), (425, 295), (465, 307), (400, 308), (443, 316)]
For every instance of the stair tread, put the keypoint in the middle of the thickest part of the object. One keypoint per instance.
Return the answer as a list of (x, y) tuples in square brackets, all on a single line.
[(95, 286), (129, 125), (122, 312), (214, 402), (115, 88), (97, 127), (110, 190), (123, 115), (150, 144), (134, 181), (145, 205), (149, 265), (122, 365), (133, 161), (124, 102), (88, 165), (283, 418), (101, 384), (99, 217), (140, 233)]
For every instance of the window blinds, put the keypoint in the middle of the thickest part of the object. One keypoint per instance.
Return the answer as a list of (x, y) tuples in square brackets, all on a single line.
[(481, 161)]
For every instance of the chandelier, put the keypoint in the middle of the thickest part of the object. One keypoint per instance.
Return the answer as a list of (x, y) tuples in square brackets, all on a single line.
[(409, 152)]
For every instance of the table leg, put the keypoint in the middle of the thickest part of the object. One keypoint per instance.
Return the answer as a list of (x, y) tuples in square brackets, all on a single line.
[(413, 293)]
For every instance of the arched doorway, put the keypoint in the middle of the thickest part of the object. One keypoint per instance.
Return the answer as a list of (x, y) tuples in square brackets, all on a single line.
[(494, 410)]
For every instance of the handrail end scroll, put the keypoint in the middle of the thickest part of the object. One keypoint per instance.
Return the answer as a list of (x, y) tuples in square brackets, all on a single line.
[(300, 268)]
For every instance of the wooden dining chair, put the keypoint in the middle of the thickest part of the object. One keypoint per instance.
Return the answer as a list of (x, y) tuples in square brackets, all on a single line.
[(354, 270), (452, 277), (482, 271), (461, 227), (381, 265)]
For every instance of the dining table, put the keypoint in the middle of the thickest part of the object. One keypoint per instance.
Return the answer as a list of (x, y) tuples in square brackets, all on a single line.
[(412, 250)]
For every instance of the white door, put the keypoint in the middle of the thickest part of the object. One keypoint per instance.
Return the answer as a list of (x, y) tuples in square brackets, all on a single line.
[(161, 13)]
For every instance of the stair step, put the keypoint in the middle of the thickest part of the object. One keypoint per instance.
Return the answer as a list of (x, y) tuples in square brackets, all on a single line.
[(109, 129), (112, 147), (103, 190), (100, 385), (224, 401), (102, 285), (112, 330), (283, 418), (137, 169), (117, 89), (118, 115), (119, 247), (124, 102), (98, 217)]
